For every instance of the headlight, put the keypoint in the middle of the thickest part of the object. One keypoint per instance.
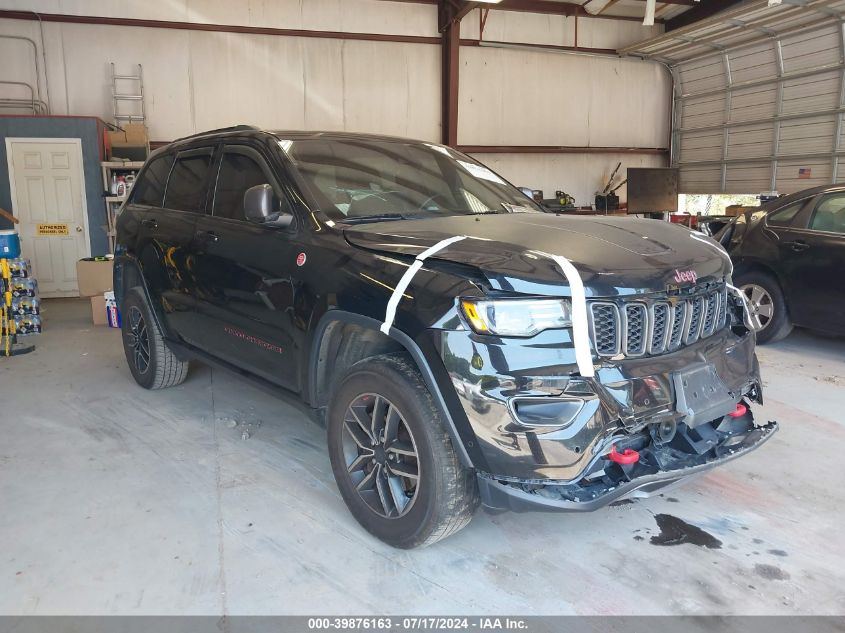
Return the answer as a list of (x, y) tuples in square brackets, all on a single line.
[(517, 317)]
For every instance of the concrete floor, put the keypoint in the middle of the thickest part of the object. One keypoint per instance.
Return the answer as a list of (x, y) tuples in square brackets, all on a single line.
[(117, 500)]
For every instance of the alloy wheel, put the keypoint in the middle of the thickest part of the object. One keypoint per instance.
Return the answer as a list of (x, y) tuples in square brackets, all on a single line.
[(381, 455), (760, 304), (138, 339)]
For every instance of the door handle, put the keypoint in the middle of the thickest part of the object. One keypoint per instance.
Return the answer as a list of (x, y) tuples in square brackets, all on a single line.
[(207, 236), (798, 246), (150, 223)]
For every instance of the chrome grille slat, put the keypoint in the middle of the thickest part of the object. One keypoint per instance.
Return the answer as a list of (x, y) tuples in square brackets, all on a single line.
[(661, 317), (644, 326), (606, 329), (711, 308), (723, 308), (694, 324), (635, 330), (679, 319)]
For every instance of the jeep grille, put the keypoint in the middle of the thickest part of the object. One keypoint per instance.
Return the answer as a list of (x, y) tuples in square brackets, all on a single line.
[(635, 327)]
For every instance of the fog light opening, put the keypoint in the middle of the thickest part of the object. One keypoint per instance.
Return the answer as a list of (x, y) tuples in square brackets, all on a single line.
[(663, 432)]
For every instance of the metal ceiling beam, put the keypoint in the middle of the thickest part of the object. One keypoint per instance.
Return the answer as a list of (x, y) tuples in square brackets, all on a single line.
[(686, 3), (548, 7), (705, 9)]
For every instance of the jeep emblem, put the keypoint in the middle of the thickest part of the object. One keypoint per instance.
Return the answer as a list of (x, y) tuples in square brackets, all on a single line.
[(685, 275)]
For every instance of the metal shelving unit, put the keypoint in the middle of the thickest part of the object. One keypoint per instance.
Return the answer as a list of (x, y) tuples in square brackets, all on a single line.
[(111, 201)]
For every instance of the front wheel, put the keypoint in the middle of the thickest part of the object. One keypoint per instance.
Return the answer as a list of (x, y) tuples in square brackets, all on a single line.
[(392, 458), (152, 363)]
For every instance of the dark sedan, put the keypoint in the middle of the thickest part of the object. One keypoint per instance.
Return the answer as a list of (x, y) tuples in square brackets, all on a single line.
[(789, 259)]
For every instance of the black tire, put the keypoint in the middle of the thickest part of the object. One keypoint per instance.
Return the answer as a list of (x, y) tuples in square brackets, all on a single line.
[(775, 325), (444, 495), (151, 362)]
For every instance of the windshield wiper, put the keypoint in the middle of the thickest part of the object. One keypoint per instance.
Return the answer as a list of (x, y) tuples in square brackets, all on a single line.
[(382, 217)]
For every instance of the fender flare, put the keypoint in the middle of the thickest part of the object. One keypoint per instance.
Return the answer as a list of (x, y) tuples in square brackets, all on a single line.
[(121, 262), (333, 316)]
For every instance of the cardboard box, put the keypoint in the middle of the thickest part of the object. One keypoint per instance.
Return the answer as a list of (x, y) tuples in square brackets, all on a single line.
[(98, 310), (131, 142), (94, 277)]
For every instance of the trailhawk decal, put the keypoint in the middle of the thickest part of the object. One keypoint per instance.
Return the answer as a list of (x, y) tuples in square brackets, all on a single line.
[(248, 338)]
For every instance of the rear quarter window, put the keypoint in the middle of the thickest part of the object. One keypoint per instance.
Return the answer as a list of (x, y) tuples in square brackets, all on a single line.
[(150, 187), (786, 215)]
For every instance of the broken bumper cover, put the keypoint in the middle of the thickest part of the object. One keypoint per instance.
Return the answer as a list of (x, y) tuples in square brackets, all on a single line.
[(552, 496), (535, 419)]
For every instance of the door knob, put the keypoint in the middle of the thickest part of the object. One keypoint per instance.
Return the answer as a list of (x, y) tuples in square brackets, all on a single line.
[(79, 229)]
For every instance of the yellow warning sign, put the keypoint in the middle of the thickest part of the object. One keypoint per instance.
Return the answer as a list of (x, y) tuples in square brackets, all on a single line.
[(52, 229)]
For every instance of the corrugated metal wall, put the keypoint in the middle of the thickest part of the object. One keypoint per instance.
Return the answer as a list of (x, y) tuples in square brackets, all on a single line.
[(782, 134), (759, 96)]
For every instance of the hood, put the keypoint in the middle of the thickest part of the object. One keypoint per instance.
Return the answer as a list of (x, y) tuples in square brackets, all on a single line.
[(613, 255)]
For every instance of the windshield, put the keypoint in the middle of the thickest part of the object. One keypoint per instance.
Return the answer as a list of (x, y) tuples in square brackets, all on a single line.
[(359, 179)]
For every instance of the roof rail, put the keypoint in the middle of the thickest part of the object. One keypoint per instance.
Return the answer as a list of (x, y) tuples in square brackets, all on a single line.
[(233, 128)]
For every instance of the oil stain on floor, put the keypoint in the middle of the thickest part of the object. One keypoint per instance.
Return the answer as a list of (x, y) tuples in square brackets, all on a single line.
[(674, 531)]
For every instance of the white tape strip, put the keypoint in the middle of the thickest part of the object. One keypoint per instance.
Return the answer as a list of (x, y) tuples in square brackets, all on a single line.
[(749, 320), (402, 286), (580, 329)]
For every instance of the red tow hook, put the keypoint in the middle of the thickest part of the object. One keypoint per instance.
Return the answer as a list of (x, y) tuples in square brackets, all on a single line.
[(629, 456), (740, 411)]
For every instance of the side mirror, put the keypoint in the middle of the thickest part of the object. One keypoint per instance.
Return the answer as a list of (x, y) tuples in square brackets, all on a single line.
[(263, 207)]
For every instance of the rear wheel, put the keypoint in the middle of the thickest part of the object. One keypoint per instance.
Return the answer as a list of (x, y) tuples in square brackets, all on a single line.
[(766, 302), (392, 458), (151, 362)]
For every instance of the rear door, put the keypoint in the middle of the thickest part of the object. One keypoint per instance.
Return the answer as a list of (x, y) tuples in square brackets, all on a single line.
[(813, 255), (245, 274), (168, 232)]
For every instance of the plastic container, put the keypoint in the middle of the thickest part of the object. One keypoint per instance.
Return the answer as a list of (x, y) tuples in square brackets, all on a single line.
[(10, 244)]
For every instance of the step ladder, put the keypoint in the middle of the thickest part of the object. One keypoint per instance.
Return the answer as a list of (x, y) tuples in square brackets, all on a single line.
[(127, 93)]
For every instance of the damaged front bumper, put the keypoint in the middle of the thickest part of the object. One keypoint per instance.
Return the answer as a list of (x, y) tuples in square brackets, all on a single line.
[(545, 432), (657, 469)]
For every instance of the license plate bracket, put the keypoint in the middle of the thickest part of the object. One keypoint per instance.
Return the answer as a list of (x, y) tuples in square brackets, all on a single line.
[(701, 396)]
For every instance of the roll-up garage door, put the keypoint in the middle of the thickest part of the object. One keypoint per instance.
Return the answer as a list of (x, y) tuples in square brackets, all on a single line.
[(758, 102)]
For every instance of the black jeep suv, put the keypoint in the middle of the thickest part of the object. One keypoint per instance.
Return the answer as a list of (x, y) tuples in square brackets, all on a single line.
[(460, 345)]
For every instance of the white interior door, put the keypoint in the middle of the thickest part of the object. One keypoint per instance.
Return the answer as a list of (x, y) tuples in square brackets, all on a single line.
[(48, 197)]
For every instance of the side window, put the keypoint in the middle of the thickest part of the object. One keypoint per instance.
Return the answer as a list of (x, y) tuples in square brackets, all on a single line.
[(186, 188), (150, 187), (240, 169), (785, 216), (830, 215)]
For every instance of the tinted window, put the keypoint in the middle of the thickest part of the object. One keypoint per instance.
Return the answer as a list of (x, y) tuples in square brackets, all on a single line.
[(362, 177), (150, 186), (784, 217), (187, 185), (240, 169), (830, 215)]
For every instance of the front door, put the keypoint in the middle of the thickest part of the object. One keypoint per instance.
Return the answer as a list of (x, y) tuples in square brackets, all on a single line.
[(813, 255), (48, 197), (245, 284)]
